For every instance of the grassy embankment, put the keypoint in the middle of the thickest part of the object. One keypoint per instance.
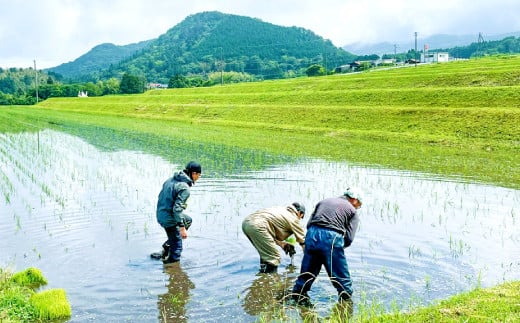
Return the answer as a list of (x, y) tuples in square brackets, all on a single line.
[(19, 302), (497, 304), (459, 119)]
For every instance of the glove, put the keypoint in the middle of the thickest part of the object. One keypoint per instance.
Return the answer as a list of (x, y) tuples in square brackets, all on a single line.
[(289, 249)]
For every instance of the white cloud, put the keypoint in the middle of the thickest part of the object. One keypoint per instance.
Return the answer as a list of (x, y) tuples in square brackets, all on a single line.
[(58, 31)]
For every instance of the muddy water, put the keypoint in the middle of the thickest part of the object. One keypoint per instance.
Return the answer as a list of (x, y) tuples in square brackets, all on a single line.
[(86, 217)]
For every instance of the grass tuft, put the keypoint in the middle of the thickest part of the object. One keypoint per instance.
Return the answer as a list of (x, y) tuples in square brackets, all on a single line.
[(20, 303), (51, 304), (31, 277)]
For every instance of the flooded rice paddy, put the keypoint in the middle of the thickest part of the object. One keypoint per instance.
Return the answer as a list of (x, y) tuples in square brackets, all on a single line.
[(85, 215)]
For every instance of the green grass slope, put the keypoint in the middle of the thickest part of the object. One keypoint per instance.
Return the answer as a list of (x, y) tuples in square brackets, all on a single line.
[(455, 119)]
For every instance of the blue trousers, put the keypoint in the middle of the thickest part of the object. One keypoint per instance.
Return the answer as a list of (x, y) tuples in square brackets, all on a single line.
[(175, 239), (175, 242), (324, 247)]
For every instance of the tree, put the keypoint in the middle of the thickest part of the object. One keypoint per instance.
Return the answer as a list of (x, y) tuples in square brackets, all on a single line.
[(111, 86), (131, 84), (92, 89), (7, 85), (315, 70), (177, 81)]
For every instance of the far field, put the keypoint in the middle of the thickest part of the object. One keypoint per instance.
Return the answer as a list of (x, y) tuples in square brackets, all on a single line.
[(458, 119)]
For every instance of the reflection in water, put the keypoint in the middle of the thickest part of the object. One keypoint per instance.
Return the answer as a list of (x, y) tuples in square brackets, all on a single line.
[(217, 159), (268, 298), (172, 304), (267, 293), (341, 312)]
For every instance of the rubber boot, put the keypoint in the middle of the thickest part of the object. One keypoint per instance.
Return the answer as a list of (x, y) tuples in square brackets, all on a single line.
[(344, 297), (165, 251), (267, 268)]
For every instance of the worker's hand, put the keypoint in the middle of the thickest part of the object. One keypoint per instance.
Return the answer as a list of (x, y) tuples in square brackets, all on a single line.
[(289, 249), (184, 233)]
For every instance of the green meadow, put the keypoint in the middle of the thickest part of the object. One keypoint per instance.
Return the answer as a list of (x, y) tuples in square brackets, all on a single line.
[(457, 120)]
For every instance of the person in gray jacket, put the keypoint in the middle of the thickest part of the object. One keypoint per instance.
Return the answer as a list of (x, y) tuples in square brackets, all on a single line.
[(171, 204), (331, 228)]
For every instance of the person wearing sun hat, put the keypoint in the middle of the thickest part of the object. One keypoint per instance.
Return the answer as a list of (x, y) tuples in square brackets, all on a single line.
[(268, 228), (330, 229)]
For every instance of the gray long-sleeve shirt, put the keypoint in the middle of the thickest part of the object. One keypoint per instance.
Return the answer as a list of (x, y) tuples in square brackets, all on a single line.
[(336, 213)]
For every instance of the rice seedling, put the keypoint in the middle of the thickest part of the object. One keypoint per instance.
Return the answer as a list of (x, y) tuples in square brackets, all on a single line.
[(414, 251), (18, 222)]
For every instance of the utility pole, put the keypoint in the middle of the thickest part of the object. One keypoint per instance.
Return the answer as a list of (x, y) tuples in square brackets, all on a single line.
[(395, 53), (324, 49), (36, 80), (480, 43), (221, 66), (415, 54)]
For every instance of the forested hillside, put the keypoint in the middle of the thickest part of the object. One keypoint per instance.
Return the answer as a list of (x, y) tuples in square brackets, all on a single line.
[(508, 45), (215, 42), (97, 59)]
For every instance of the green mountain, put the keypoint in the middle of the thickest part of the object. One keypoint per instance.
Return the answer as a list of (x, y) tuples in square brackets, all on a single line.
[(210, 42), (98, 58)]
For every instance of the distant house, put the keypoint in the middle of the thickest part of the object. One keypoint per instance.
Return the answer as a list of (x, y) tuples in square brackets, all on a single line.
[(412, 61), (435, 57), (387, 61), (355, 66), (343, 69), (82, 94), (157, 86)]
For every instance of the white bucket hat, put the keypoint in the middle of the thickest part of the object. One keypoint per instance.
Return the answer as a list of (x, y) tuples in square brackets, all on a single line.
[(355, 193)]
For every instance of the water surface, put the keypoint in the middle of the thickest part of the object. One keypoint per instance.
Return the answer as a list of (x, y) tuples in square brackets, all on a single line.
[(85, 216)]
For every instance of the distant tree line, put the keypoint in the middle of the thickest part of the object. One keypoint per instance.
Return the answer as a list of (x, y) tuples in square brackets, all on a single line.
[(18, 86), (508, 45)]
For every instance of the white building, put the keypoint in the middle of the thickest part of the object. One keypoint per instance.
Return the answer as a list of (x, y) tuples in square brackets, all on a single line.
[(435, 57)]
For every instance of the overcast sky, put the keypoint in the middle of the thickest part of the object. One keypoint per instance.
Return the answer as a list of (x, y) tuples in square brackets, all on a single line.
[(53, 32)]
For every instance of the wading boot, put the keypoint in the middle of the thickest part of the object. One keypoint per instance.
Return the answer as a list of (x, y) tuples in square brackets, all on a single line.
[(166, 251), (267, 268)]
